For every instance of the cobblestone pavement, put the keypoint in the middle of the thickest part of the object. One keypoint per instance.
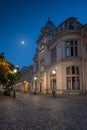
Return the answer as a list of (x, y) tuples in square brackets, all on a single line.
[(35, 112)]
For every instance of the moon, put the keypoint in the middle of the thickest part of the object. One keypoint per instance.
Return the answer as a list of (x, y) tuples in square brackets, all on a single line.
[(22, 42)]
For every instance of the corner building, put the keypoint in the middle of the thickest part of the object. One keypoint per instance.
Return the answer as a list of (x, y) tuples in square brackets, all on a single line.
[(60, 62)]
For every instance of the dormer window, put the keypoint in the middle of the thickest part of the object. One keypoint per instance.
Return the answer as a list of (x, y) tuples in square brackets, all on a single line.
[(71, 25), (86, 29), (63, 26)]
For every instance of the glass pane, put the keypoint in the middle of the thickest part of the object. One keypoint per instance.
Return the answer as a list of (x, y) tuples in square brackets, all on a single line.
[(72, 51), (73, 83), (73, 69), (53, 55), (71, 43), (51, 83), (67, 44), (68, 83), (75, 43), (67, 51), (68, 70), (76, 51), (71, 25), (78, 83), (77, 70)]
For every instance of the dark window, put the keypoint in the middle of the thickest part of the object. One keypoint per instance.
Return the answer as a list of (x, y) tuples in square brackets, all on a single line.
[(78, 84), (86, 50), (53, 55), (68, 70), (73, 82), (72, 51), (71, 48), (77, 70), (68, 83), (71, 25), (51, 83), (73, 69)]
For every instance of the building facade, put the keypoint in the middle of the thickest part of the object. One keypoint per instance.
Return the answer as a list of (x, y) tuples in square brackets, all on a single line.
[(60, 62), (26, 79)]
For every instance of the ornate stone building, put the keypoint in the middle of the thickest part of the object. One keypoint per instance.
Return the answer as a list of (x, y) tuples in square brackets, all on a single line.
[(60, 62)]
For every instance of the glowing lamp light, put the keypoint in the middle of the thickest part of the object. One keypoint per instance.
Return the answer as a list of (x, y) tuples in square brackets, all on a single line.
[(35, 78), (53, 71), (15, 70)]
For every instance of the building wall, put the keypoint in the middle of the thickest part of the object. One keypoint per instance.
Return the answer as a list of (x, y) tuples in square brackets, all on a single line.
[(62, 62)]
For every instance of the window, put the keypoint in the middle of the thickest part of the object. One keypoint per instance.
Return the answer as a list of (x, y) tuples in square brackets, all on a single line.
[(86, 50), (73, 82), (77, 25), (41, 51), (52, 81), (71, 48), (68, 83), (68, 70), (71, 25), (53, 55), (36, 65), (63, 26)]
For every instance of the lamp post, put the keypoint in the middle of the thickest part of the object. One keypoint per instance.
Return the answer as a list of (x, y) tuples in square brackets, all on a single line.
[(35, 78), (53, 91), (15, 71)]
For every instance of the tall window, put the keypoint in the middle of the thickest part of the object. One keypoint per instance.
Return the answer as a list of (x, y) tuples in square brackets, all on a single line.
[(73, 82), (52, 81), (53, 55), (36, 65), (71, 48), (86, 50)]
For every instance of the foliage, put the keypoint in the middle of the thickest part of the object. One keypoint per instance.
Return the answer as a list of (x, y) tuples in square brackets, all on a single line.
[(7, 75)]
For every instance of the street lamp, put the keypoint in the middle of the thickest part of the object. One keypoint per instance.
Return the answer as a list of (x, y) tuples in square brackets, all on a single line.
[(15, 71), (53, 91), (35, 78)]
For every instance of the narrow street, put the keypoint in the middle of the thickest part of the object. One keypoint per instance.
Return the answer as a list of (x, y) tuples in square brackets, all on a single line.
[(37, 112)]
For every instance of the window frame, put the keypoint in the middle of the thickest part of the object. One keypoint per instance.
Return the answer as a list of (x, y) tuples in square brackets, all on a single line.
[(71, 48), (73, 78), (53, 55)]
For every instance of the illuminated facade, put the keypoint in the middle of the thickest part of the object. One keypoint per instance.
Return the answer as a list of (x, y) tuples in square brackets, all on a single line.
[(62, 50), (26, 78)]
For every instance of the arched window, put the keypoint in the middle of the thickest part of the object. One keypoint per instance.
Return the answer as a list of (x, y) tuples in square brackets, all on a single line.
[(73, 82)]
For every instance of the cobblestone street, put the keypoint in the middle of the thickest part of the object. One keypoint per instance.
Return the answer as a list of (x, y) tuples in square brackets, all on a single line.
[(36, 112)]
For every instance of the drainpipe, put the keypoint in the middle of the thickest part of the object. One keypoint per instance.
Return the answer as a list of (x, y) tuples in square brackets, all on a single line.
[(83, 67)]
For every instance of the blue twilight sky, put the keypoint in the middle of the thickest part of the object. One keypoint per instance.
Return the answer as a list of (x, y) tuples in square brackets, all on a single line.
[(23, 19)]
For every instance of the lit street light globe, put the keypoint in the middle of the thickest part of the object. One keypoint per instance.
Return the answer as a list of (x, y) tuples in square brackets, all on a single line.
[(15, 70)]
